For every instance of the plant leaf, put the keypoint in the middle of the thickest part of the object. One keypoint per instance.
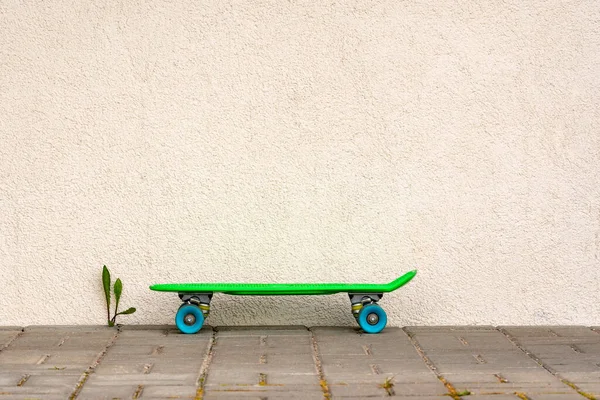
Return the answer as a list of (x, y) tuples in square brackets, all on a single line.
[(106, 284), (118, 289), (111, 324), (128, 311)]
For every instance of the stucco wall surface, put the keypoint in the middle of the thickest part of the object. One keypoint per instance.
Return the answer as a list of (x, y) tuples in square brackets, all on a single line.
[(302, 141)]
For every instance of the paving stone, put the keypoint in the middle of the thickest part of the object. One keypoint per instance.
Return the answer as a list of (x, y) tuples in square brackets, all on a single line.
[(529, 387), (242, 376), (224, 331), (290, 351), (168, 391), (489, 342), (102, 392), (581, 377), (468, 377), (396, 397), (573, 353), (123, 368), (533, 340), (52, 358), (591, 388), (358, 365), (516, 371), (402, 397), (73, 357), (268, 389), (142, 367), (359, 378), (499, 396), (42, 369), (572, 331), (267, 352), (292, 378), (365, 347), (449, 328), (557, 350), (62, 338), (527, 375), (553, 396), (9, 356), (9, 377), (148, 359), (147, 329), (302, 338), (373, 366), (144, 379), (525, 332), (529, 331), (66, 383), (12, 392), (335, 331), (475, 396), (576, 366), (487, 368), (375, 390), (69, 328), (256, 357), (263, 395), (45, 396), (307, 369), (407, 370), (7, 336), (591, 347)]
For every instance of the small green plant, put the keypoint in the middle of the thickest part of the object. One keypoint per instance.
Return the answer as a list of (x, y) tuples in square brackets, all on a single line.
[(118, 289), (388, 385)]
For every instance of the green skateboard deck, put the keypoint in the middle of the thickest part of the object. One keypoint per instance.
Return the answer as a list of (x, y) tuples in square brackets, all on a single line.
[(196, 298), (283, 289)]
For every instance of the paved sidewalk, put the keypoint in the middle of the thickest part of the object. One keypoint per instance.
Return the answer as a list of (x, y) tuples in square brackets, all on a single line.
[(293, 362)]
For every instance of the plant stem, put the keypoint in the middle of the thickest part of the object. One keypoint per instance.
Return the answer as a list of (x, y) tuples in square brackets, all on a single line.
[(116, 313)]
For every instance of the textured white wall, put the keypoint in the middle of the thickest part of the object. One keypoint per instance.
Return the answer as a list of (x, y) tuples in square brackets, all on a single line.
[(301, 141)]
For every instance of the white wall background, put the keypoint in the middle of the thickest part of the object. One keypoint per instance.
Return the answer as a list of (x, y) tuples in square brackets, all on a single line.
[(301, 141)]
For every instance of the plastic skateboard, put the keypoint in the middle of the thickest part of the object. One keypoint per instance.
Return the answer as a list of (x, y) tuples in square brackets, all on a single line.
[(196, 298)]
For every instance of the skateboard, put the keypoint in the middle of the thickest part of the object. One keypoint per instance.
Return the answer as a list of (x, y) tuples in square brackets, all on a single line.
[(196, 298)]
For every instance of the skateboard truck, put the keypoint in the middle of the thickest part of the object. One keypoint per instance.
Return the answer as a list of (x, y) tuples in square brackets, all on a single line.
[(201, 300), (359, 300)]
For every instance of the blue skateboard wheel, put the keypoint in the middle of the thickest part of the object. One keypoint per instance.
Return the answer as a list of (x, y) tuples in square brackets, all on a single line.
[(189, 318), (372, 318)]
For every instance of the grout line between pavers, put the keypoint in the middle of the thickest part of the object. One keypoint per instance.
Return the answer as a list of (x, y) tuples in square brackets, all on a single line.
[(451, 389), (138, 392), (203, 374), (542, 364), (24, 379), (319, 366), (522, 396), (94, 365), (19, 334)]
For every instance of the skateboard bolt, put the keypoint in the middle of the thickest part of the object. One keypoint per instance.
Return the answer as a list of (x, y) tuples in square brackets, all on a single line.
[(372, 319), (189, 319)]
